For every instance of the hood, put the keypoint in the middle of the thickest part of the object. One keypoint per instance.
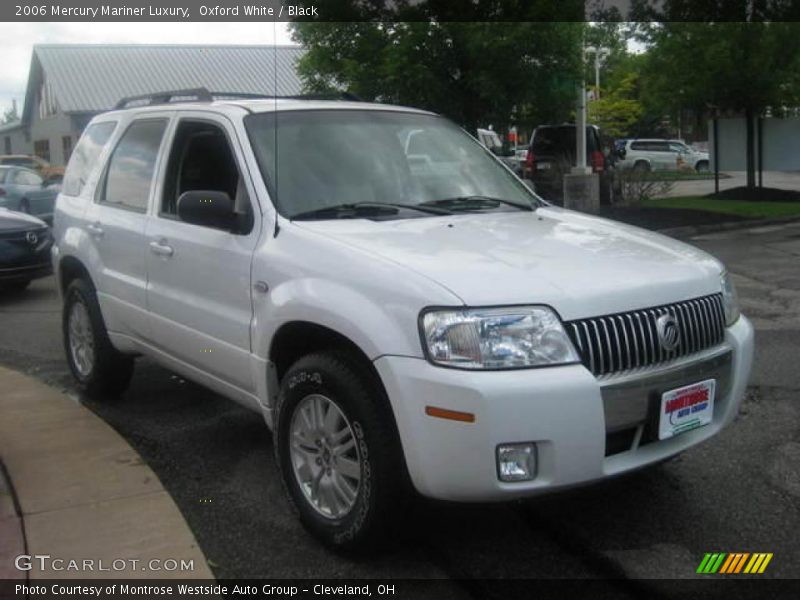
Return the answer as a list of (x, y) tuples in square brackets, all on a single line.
[(580, 265), (11, 220)]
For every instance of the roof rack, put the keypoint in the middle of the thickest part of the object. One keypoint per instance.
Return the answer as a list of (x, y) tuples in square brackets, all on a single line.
[(197, 94), (202, 94)]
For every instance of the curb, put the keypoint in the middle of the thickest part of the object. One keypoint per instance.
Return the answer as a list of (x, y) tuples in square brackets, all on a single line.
[(691, 230), (83, 494), (12, 536)]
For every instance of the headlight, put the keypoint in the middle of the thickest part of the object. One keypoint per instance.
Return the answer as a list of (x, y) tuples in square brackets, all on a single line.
[(496, 338), (730, 300)]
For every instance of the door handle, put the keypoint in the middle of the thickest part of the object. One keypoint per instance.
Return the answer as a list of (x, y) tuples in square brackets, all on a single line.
[(161, 248), (95, 229)]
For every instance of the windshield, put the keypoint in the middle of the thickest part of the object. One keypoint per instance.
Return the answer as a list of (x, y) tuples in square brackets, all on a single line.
[(679, 147), (328, 158)]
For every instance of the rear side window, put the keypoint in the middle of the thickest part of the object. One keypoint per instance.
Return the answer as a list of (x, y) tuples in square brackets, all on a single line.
[(85, 156), (131, 167)]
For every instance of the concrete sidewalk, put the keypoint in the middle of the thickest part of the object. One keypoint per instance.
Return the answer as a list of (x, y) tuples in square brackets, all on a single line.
[(78, 492)]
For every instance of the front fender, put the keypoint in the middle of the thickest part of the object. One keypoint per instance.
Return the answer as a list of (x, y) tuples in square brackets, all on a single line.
[(376, 327)]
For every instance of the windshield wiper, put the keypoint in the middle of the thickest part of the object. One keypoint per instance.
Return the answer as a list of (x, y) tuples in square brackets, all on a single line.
[(474, 203), (355, 210)]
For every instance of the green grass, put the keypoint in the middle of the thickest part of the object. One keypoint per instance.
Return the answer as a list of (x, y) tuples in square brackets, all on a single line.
[(753, 210)]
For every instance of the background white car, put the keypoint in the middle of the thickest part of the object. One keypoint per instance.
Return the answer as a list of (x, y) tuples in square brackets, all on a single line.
[(661, 155)]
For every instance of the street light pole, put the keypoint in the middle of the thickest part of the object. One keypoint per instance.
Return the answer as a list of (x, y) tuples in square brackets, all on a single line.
[(600, 54), (580, 123)]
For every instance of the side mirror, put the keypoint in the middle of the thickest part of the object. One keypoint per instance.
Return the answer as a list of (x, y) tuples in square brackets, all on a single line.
[(209, 208)]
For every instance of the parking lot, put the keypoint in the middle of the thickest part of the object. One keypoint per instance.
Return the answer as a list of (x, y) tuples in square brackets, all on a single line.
[(739, 492)]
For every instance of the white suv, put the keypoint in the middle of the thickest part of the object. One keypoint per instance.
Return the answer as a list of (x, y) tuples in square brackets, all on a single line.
[(403, 322), (659, 155)]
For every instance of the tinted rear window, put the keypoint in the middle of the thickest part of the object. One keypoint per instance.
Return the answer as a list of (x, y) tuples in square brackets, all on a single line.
[(561, 140), (85, 156)]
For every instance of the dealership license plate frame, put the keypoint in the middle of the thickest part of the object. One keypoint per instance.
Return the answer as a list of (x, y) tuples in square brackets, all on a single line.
[(669, 427)]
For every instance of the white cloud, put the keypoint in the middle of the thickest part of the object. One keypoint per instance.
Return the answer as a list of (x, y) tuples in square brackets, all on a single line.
[(17, 40)]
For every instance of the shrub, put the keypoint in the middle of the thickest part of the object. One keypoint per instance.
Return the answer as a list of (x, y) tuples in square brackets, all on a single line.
[(639, 186)]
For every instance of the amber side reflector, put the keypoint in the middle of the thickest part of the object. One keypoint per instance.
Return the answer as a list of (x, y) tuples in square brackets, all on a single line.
[(453, 415)]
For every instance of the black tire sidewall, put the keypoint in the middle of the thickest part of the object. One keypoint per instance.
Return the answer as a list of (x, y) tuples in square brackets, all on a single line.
[(320, 374), (111, 370), (77, 292)]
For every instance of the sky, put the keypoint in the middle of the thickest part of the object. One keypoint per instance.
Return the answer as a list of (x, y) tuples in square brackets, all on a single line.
[(17, 40)]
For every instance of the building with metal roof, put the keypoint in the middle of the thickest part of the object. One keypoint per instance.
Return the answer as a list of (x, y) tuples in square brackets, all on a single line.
[(68, 84)]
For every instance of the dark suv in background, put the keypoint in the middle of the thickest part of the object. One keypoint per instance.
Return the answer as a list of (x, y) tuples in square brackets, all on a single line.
[(551, 154)]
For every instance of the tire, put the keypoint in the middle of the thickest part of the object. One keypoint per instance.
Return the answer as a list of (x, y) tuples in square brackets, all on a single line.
[(99, 368), (702, 167), (641, 166), (24, 206), (356, 508)]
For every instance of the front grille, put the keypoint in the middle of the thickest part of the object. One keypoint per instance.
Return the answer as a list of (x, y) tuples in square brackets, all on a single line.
[(625, 341), (19, 236)]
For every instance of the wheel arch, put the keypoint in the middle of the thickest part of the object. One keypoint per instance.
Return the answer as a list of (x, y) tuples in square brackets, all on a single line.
[(295, 339), (298, 338), (69, 269)]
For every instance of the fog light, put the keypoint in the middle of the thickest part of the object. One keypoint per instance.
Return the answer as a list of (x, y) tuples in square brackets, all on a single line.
[(516, 462)]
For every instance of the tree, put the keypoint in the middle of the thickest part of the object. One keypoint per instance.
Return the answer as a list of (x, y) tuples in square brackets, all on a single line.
[(746, 67), (715, 55), (10, 115), (618, 112), (476, 73)]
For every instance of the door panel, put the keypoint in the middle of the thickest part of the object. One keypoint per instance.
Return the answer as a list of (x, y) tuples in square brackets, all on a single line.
[(199, 292), (115, 223), (199, 297)]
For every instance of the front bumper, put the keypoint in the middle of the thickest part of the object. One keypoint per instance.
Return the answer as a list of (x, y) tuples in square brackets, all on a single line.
[(25, 273), (577, 421)]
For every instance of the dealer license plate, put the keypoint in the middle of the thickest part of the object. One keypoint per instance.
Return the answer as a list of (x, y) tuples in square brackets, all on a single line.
[(686, 408)]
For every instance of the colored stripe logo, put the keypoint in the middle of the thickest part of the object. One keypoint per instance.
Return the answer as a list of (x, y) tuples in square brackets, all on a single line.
[(734, 563)]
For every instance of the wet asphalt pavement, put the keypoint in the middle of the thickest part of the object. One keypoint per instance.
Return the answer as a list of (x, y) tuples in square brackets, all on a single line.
[(739, 492)]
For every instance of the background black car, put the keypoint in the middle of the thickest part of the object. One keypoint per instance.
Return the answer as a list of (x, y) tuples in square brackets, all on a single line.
[(25, 243), (551, 154)]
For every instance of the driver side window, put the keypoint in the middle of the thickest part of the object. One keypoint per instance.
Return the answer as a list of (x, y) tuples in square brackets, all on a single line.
[(201, 158)]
